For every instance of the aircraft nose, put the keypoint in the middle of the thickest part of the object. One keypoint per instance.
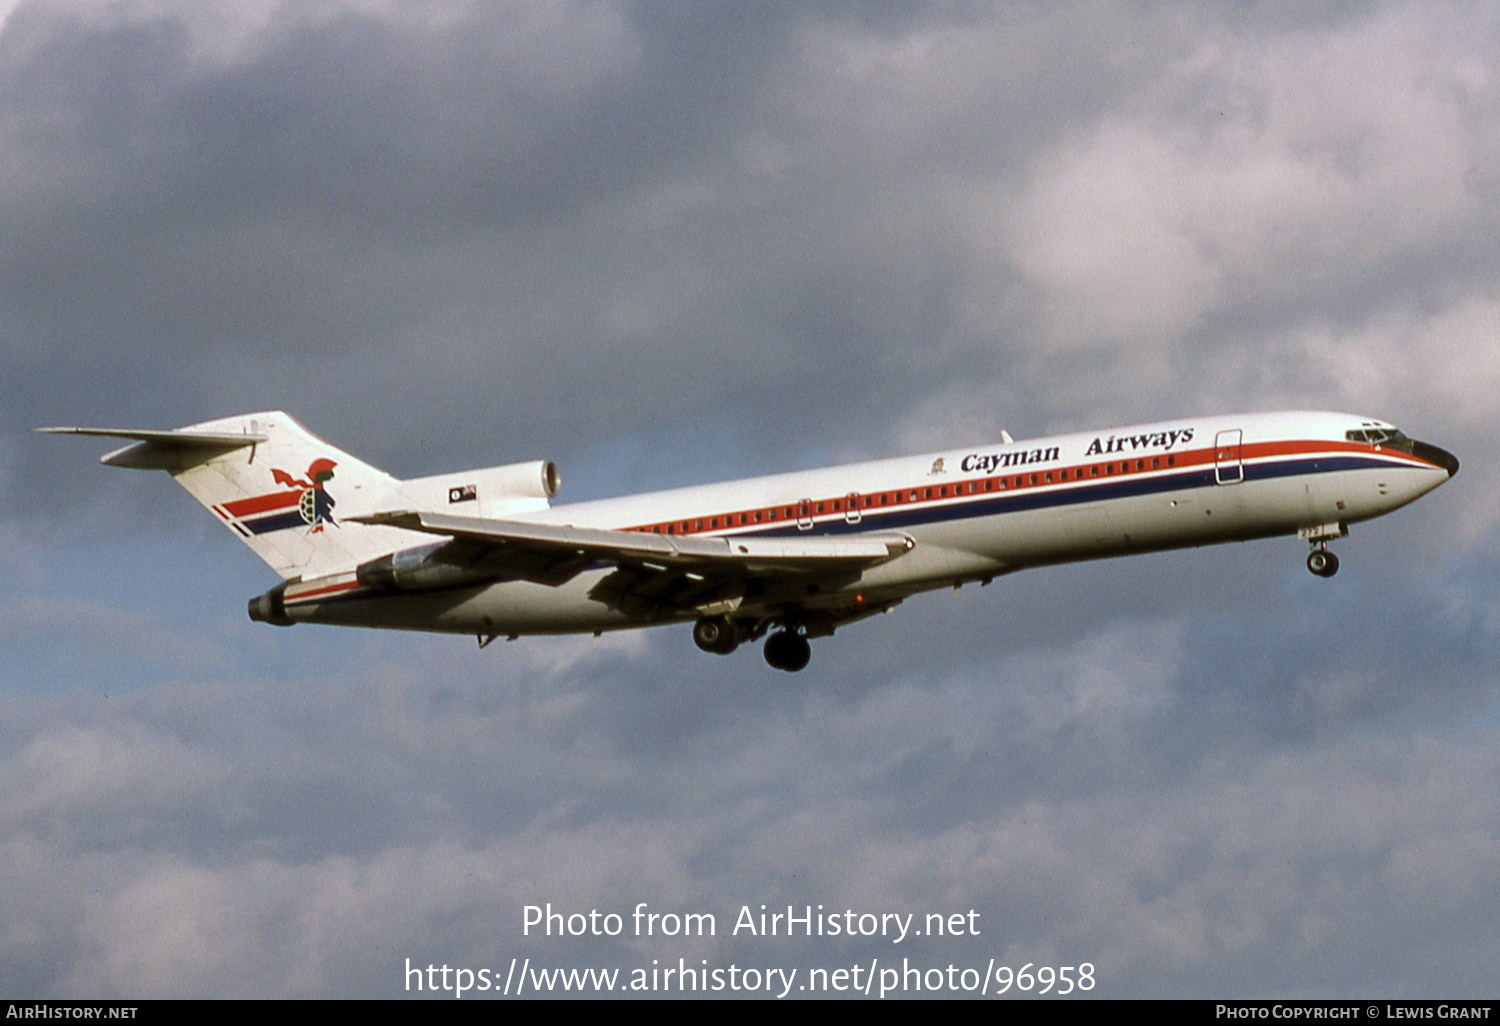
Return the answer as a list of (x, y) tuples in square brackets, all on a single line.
[(1438, 457)]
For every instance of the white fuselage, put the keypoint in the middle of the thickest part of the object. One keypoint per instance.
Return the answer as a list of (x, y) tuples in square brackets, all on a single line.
[(972, 514)]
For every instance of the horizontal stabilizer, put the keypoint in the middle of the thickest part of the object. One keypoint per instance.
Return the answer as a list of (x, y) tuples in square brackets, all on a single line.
[(163, 450)]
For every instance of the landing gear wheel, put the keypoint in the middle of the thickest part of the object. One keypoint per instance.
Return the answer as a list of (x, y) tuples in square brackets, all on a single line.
[(1322, 562), (788, 651), (716, 634)]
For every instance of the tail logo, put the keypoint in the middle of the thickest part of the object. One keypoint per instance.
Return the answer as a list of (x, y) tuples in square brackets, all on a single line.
[(305, 503), (314, 504)]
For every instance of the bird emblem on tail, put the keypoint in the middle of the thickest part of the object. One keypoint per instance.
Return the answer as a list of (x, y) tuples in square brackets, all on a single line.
[(315, 504)]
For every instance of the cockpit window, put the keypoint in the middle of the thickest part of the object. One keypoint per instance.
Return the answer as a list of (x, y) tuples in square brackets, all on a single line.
[(1379, 436)]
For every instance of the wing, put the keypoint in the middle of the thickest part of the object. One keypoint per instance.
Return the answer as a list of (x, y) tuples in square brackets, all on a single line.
[(655, 574)]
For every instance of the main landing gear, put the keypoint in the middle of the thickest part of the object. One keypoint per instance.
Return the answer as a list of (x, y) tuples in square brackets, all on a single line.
[(785, 650), (716, 634), (1322, 562)]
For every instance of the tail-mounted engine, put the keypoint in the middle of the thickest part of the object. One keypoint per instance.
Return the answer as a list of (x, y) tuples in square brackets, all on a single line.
[(416, 569), (488, 492)]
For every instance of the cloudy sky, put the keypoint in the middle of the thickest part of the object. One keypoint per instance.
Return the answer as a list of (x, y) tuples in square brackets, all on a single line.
[(669, 243)]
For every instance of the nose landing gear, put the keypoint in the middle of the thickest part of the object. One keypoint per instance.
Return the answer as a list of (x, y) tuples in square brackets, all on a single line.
[(1322, 562)]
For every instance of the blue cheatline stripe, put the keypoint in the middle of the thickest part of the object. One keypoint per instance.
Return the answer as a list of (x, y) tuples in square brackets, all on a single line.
[(987, 504), (280, 522), (1034, 497)]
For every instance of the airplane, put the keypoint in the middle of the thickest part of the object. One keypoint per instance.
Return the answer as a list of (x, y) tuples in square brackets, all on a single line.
[(788, 557)]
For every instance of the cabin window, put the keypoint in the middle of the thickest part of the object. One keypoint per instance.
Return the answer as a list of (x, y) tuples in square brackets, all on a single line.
[(714, 522), (1171, 461), (1155, 462)]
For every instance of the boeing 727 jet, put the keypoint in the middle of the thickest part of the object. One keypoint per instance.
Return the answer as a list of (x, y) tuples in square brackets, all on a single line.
[(788, 557)]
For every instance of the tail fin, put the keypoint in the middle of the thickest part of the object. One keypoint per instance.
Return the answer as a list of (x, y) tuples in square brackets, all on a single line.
[(282, 490)]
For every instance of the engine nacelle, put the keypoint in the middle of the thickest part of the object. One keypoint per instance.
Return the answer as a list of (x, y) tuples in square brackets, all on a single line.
[(488, 491), (415, 570), (271, 607)]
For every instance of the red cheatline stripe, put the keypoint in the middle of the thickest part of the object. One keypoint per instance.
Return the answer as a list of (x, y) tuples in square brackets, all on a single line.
[(262, 503), (327, 589), (789, 512), (1258, 449)]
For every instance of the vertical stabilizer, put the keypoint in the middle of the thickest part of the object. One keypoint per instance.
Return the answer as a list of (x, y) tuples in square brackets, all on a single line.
[(282, 490)]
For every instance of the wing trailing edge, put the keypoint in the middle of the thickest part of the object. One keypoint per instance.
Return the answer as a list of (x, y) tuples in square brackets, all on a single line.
[(497, 541)]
